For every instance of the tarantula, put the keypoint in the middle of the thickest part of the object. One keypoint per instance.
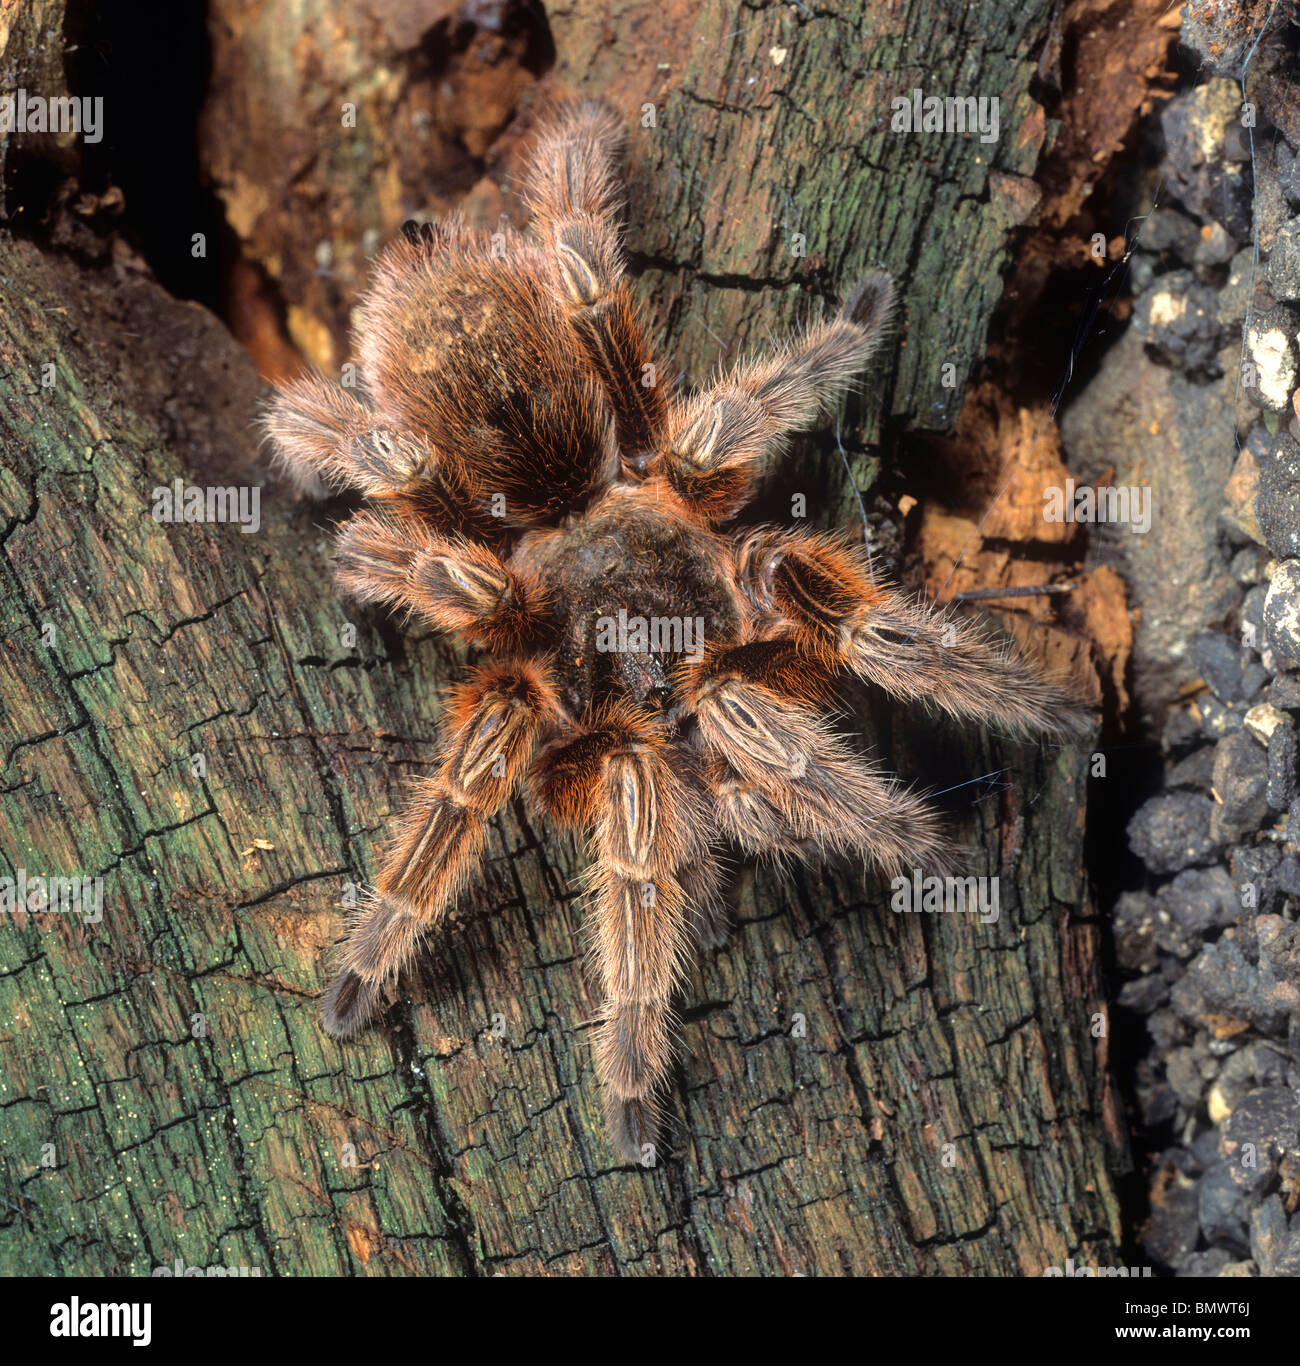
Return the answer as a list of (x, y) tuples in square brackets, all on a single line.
[(529, 481)]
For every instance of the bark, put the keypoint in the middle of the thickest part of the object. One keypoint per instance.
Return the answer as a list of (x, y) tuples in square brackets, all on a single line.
[(861, 1092)]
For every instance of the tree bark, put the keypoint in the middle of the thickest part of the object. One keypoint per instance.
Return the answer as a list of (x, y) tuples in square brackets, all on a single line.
[(187, 715)]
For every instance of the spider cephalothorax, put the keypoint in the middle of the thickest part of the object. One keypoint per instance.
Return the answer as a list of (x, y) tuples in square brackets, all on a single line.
[(656, 681)]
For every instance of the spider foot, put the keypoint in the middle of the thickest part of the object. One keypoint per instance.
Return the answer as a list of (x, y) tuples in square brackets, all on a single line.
[(349, 1004), (633, 1129)]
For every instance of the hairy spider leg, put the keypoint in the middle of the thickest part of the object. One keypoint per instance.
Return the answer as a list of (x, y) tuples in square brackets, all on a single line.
[(653, 881), (786, 784), (720, 441), (454, 585), (571, 189), (820, 590), (328, 440), (439, 841)]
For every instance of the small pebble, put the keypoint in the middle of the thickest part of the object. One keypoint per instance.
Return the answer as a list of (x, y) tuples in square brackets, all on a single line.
[(1261, 721), (1254, 867), (1221, 1211), (1271, 349), (1144, 994), (1252, 616), (1264, 1126), (1171, 831), (1218, 660), (1196, 770), (1284, 692), (1269, 1235), (1215, 247), (1178, 320), (1171, 233), (1288, 875), (1221, 718), (1277, 501), (1135, 930), (1283, 751), (1282, 274), (1247, 565), (1282, 610), (1197, 901)]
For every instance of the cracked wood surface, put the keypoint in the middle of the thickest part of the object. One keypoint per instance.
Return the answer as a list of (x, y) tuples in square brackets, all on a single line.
[(862, 1092)]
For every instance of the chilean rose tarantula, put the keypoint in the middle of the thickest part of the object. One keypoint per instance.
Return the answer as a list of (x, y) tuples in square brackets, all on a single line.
[(528, 478)]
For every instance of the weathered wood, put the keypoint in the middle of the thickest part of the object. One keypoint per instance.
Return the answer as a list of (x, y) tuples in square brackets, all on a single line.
[(862, 1092)]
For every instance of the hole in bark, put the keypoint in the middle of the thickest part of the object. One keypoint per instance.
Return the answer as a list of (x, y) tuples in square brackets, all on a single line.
[(151, 64)]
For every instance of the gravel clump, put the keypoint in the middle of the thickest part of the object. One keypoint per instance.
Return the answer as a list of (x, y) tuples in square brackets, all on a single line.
[(1208, 941), (1171, 831)]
